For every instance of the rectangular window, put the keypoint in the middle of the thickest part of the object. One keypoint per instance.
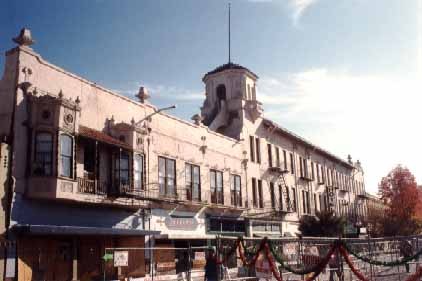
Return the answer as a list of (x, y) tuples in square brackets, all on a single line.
[(193, 182), (167, 176), (138, 172), (305, 168), (292, 164), (235, 190), (254, 193), (305, 202), (313, 170), (321, 202), (217, 195), (251, 146), (315, 203), (285, 159), (260, 195), (317, 173), (121, 171), (301, 174), (43, 154), (270, 155), (258, 151), (272, 194), (294, 203), (308, 202), (66, 155), (277, 157)]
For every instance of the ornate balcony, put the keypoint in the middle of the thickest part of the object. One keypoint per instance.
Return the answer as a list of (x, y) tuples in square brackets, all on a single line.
[(91, 186)]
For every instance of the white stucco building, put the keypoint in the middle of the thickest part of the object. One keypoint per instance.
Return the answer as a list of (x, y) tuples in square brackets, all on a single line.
[(93, 169)]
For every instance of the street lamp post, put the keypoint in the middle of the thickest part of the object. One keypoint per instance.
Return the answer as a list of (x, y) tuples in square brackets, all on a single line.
[(156, 112)]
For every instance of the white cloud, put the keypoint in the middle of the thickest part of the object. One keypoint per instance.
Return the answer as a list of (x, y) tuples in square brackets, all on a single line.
[(296, 7), (299, 7), (374, 118)]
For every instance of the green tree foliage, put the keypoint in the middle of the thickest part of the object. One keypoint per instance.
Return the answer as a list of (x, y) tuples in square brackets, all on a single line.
[(323, 224)]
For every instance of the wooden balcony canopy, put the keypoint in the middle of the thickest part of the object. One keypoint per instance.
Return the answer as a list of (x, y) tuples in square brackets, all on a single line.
[(102, 137)]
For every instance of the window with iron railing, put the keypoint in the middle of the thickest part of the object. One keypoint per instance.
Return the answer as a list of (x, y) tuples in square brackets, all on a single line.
[(193, 182), (167, 176), (43, 154), (235, 190), (217, 191)]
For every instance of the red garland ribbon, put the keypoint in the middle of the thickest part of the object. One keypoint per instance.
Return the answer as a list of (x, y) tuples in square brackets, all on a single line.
[(357, 273), (273, 266), (416, 275), (252, 262), (323, 263)]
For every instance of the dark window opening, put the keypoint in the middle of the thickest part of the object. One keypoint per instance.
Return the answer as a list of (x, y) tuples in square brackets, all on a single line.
[(221, 94), (193, 182), (217, 195), (235, 190), (272, 194), (43, 154)]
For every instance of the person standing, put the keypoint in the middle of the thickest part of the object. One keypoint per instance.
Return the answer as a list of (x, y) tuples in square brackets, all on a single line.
[(211, 266)]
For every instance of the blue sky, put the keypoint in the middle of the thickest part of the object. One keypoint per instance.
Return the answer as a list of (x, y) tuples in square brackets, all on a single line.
[(345, 74)]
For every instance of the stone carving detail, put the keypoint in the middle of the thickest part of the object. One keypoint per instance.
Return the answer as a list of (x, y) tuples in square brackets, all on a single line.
[(69, 119), (66, 187)]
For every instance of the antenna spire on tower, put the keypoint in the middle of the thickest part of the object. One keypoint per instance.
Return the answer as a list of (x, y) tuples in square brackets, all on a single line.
[(229, 33)]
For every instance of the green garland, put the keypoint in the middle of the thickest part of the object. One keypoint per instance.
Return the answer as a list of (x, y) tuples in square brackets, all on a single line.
[(402, 261)]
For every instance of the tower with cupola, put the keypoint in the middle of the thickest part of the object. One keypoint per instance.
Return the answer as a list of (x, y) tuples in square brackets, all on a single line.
[(230, 99)]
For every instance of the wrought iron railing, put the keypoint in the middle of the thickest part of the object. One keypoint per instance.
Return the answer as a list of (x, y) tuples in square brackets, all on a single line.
[(91, 186)]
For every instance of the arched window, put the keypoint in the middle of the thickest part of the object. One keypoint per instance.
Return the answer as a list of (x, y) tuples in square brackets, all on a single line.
[(66, 155), (221, 93), (43, 154)]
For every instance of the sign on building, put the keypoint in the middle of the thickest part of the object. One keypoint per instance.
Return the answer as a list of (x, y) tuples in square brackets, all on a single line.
[(121, 258)]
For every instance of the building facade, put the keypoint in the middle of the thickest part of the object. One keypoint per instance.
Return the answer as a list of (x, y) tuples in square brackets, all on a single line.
[(93, 169)]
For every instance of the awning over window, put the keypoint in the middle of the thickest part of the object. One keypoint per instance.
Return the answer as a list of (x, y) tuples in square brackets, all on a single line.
[(101, 137), (77, 230)]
